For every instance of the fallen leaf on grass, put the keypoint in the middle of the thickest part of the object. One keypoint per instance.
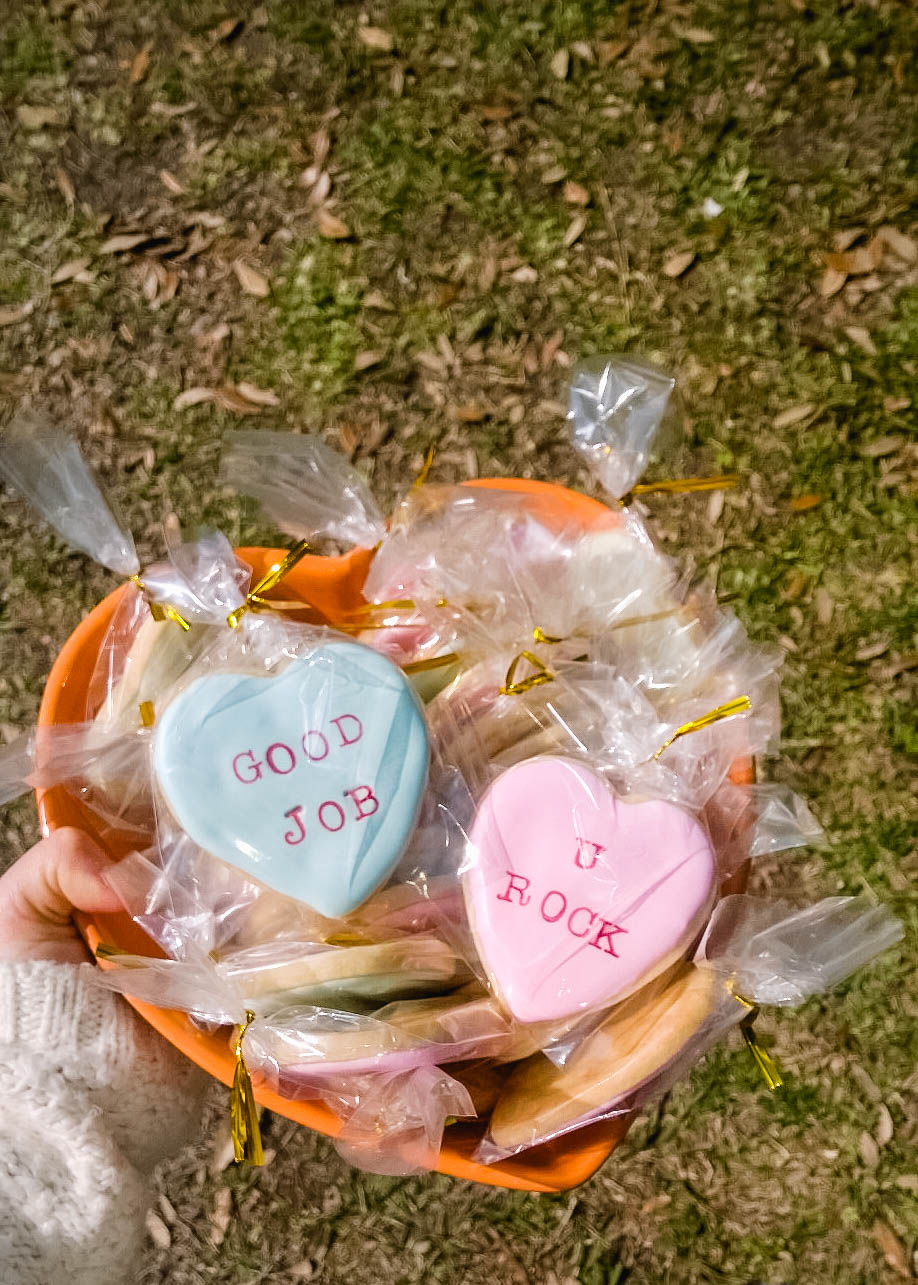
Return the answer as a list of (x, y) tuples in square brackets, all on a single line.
[(13, 313), (893, 404), (884, 1130), (869, 1151), (252, 281), (376, 299), (574, 193), (856, 262), (494, 113), (365, 360), (471, 413), (226, 30), (140, 65), (845, 238), (831, 282), (67, 271), (860, 336), (794, 415), (695, 35), (891, 1248), (824, 604), (331, 226), (65, 187), (158, 1231), (902, 246), (575, 229), (376, 38), (561, 64), (192, 397), (171, 182), (220, 1221), (258, 396), (242, 398), (881, 446), (123, 241), (678, 264), (37, 117), (802, 503), (610, 50), (554, 174), (870, 651)]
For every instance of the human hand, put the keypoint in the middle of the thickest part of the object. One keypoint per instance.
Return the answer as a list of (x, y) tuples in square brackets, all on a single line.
[(39, 894)]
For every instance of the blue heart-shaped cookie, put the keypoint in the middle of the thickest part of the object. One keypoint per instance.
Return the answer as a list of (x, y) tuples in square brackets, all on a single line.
[(309, 781)]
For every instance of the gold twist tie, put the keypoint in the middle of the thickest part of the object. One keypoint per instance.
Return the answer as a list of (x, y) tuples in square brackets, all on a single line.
[(431, 662), (160, 610), (739, 705), (771, 1072), (684, 485), (425, 470), (244, 1124), (542, 674), (541, 637), (254, 599), (147, 713)]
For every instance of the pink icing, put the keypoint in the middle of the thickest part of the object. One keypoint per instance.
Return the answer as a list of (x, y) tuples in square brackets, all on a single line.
[(577, 898)]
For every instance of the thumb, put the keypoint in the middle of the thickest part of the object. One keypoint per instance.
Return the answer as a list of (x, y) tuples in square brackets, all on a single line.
[(61, 874)]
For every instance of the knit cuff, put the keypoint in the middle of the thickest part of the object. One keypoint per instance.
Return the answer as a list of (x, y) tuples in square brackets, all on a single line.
[(56, 1010)]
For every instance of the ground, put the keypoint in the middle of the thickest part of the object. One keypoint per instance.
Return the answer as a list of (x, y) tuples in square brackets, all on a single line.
[(399, 224)]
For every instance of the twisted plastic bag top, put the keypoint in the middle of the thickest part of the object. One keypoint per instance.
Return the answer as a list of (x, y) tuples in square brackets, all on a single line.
[(615, 408), (304, 486), (49, 470)]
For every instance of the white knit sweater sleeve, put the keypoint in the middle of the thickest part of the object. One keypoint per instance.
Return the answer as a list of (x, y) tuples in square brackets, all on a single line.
[(90, 1100)]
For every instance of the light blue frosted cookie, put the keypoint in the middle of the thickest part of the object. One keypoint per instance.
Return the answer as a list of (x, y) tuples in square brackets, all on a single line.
[(309, 781)]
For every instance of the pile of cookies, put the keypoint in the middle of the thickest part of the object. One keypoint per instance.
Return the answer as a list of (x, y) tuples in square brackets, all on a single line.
[(461, 849)]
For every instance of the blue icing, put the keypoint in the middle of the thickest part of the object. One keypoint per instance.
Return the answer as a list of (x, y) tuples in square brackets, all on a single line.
[(309, 781)]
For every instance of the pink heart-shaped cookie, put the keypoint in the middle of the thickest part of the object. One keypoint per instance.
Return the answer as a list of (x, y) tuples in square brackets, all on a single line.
[(577, 898)]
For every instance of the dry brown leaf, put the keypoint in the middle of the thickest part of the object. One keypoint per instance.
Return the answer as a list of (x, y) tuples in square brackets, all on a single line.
[(494, 112), (157, 1230), (583, 50), (251, 280), (902, 246), (860, 336), (881, 446), (123, 241), (169, 181), (891, 1248), (525, 275), (845, 238), (331, 226), (140, 65), (230, 397), (376, 38), (884, 1130), (554, 174), (258, 396), (794, 415), (831, 282), (11, 314), (210, 338), (67, 271), (30, 117), (802, 503), (471, 413), (366, 360), (220, 1221), (226, 29), (376, 299), (193, 397), (869, 1151), (857, 262), (561, 64), (715, 507), (575, 229), (575, 193), (824, 604), (610, 50), (893, 404), (150, 282), (695, 35), (677, 264), (65, 187), (870, 651)]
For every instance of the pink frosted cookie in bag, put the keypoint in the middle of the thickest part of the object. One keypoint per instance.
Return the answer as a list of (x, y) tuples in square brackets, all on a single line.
[(576, 897)]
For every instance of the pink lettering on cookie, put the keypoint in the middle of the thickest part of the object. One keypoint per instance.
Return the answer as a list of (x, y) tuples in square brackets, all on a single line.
[(604, 934), (249, 772), (587, 853), (518, 884), (329, 807), (362, 796), (553, 918), (274, 758), (298, 834), (581, 910), (315, 747), (350, 719)]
